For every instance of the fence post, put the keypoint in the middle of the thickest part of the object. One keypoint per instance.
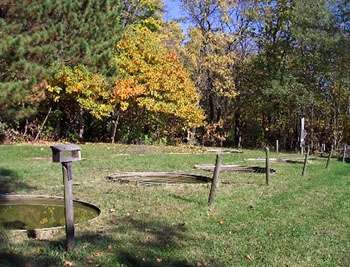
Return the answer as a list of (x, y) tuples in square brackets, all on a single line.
[(305, 160), (267, 165), (68, 204), (329, 157), (215, 180)]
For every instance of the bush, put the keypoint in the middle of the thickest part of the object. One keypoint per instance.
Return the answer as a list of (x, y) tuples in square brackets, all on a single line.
[(7, 134)]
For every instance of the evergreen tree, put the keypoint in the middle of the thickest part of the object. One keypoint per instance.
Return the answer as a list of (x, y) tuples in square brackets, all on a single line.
[(37, 33)]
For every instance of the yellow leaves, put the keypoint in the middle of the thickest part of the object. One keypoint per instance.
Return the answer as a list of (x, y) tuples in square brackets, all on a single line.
[(153, 77), (87, 89), (209, 53), (44, 220)]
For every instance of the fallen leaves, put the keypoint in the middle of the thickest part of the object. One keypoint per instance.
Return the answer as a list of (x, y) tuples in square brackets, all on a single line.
[(67, 263), (98, 254), (250, 257)]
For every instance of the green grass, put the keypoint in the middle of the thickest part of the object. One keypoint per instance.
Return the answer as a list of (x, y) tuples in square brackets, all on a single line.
[(296, 221)]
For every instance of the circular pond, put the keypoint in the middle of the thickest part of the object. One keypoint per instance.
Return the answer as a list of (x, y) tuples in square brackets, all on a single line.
[(19, 212), (159, 178)]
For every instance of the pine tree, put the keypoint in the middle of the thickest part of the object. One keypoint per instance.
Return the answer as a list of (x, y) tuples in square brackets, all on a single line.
[(34, 34)]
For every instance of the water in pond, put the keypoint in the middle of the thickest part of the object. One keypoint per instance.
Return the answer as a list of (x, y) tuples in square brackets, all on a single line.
[(36, 214)]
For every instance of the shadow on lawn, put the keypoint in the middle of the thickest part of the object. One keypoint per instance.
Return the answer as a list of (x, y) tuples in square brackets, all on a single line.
[(9, 182), (140, 243), (148, 243), (187, 199), (347, 160), (11, 258)]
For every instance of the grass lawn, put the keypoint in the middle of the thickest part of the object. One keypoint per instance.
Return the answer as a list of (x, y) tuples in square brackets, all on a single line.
[(296, 221)]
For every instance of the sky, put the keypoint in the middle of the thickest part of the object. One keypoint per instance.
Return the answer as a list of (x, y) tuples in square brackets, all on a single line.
[(173, 11)]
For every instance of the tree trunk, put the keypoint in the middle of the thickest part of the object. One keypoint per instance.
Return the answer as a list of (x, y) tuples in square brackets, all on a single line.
[(237, 124), (115, 126), (42, 125), (211, 108), (81, 125), (25, 127)]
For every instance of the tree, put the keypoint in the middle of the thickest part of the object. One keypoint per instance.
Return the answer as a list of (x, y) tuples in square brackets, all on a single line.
[(78, 90), (154, 84), (36, 34)]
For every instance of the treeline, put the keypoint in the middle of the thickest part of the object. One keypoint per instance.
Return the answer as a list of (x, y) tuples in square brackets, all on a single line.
[(113, 71)]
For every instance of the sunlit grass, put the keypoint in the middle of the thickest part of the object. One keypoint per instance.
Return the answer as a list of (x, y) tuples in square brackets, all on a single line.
[(296, 221)]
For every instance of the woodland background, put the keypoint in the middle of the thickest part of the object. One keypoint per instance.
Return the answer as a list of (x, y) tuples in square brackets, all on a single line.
[(114, 71)]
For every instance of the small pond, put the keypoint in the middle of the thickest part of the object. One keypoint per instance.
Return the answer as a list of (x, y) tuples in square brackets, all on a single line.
[(38, 212)]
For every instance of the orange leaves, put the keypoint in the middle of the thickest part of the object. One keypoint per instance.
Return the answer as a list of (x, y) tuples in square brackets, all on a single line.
[(124, 90)]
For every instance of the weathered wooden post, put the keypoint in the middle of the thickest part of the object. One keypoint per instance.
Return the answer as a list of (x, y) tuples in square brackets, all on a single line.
[(267, 166), (323, 149), (66, 154), (215, 180), (329, 157), (302, 135), (344, 152), (305, 160), (277, 148)]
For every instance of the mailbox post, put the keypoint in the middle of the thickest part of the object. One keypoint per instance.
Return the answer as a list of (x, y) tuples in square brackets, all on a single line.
[(66, 154)]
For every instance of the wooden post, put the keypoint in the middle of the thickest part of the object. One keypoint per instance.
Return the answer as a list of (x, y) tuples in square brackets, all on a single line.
[(302, 135), (68, 204), (305, 160), (215, 180), (344, 152), (277, 146), (329, 157), (267, 166)]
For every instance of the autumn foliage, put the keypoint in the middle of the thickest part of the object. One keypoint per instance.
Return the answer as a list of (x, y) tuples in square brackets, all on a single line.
[(85, 88), (152, 78)]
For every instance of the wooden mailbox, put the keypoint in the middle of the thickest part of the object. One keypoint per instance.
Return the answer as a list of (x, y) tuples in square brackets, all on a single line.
[(66, 153)]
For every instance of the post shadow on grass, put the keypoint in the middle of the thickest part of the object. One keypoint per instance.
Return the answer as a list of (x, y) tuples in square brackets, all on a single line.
[(346, 160), (11, 258), (188, 199), (150, 243), (158, 236), (10, 182)]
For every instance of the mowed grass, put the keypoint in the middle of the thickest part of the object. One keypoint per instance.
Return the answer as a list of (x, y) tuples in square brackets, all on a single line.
[(296, 221)]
